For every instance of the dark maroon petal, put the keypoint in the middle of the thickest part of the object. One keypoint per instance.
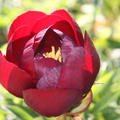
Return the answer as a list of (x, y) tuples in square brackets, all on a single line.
[(50, 39), (75, 27), (26, 61), (91, 58), (28, 53), (83, 106), (51, 102), (73, 75), (67, 46), (42, 65), (64, 27), (42, 42), (17, 43), (47, 72), (28, 18), (50, 79), (14, 79), (38, 38)]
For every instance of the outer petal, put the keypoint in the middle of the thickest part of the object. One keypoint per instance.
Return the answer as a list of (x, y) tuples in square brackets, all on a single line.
[(73, 75), (91, 58), (49, 19), (67, 17), (17, 43), (28, 18), (14, 79), (41, 100)]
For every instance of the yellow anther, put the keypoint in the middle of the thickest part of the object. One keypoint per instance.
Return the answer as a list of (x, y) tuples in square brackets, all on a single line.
[(52, 54)]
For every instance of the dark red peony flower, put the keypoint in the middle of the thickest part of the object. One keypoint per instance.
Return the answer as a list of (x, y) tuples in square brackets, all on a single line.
[(48, 62)]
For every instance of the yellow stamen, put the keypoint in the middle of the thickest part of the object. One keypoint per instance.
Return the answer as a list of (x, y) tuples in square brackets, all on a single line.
[(52, 54)]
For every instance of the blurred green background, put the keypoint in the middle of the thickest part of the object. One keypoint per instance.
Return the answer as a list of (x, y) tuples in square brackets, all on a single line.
[(101, 18)]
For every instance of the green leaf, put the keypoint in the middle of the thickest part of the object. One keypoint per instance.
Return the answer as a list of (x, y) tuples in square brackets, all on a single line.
[(20, 113), (29, 111), (39, 118), (3, 48), (106, 79), (52, 118), (105, 101), (3, 112)]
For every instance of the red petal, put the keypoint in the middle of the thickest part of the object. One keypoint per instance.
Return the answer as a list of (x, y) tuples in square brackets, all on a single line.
[(73, 75), (45, 22), (16, 44), (28, 18), (91, 59), (65, 27), (14, 79), (67, 17), (41, 100)]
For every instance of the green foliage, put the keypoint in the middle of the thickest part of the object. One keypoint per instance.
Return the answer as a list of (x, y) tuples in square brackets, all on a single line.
[(111, 9), (20, 113), (101, 19)]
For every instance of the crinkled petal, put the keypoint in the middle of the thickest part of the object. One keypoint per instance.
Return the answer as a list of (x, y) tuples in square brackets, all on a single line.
[(75, 27), (14, 79), (91, 58), (42, 65), (41, 100), (28, 18), (50, 79), (47, 72)]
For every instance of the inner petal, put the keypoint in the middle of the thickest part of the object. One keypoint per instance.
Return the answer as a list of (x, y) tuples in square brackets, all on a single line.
[(49, 39), (50, 79), (47, 72), (49, 58), (67, 45), (42, 65)]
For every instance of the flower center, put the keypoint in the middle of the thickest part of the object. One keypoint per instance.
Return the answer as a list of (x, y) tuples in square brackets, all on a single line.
[(55, 55)]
